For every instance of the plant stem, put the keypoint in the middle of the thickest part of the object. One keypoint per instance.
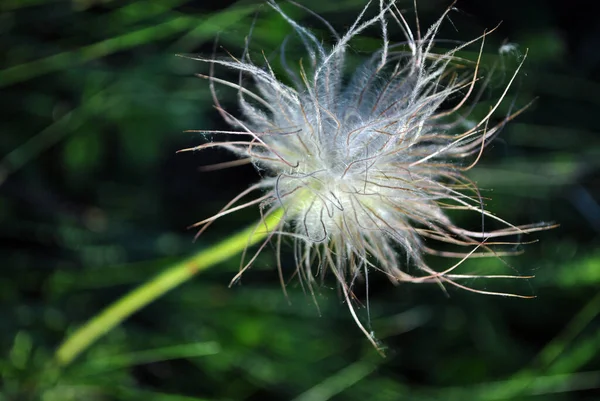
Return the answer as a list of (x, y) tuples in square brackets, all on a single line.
[(175, 275)]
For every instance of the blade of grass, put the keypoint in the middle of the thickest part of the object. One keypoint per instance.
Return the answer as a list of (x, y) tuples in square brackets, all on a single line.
[(126, 41), (535, 386), (94, 51), (338, 382), (579, 322), (53, 133), (180, 351)]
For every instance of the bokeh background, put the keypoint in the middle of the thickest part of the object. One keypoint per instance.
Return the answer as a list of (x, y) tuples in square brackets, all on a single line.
[(94, 201)]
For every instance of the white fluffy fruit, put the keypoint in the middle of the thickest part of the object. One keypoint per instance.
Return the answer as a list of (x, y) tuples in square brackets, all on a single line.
[(366, 169)]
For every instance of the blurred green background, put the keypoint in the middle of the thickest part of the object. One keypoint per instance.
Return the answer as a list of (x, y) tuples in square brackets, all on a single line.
[(94, 201)]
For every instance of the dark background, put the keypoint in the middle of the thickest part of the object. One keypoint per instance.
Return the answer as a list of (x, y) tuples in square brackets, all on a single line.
[(94, 201)]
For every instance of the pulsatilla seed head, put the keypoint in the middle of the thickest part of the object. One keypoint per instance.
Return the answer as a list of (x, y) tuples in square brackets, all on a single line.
[(366, 168)]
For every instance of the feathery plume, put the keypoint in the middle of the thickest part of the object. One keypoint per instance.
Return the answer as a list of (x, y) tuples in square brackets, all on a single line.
[(365, 169)]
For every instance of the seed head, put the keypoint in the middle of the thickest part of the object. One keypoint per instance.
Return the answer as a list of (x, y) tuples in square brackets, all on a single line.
[(366, 168)]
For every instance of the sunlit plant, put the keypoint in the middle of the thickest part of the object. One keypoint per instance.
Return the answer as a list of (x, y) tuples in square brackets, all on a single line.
[(361, 167)]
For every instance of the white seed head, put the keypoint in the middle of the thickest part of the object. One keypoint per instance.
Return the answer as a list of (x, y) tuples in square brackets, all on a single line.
[(366, 168)]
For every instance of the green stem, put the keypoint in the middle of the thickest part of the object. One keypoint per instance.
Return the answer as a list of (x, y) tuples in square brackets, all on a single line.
[(175, 275)]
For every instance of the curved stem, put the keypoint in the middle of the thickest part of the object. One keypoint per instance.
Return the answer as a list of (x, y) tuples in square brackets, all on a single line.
[(175, 275)]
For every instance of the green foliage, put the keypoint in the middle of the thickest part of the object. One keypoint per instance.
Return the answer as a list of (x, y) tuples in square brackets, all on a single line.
[(94, 202)]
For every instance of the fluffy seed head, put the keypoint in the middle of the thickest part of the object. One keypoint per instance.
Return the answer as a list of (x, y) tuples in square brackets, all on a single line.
[(365, 165)]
